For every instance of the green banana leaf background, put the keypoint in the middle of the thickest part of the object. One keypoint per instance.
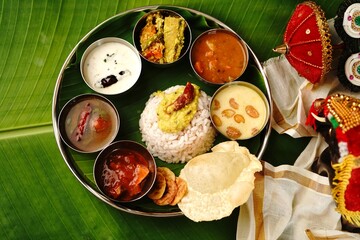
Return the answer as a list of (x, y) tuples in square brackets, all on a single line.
[(39, 196)]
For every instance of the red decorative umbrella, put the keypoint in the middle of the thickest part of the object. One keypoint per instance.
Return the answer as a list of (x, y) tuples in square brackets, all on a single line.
[(307, 45)]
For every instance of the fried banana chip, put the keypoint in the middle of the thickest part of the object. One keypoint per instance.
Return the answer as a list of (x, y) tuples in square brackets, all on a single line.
[(159, 187), (167, 173), (171, 188), (181, 190)]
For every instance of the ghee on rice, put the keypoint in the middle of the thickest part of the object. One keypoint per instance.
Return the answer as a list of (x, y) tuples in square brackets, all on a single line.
[(195, 139)]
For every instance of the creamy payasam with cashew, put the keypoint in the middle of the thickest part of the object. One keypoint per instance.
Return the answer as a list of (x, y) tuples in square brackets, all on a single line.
[(238, 111)]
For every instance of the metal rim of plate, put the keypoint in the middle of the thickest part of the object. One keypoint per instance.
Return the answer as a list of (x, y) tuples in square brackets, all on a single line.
[(63, 148)]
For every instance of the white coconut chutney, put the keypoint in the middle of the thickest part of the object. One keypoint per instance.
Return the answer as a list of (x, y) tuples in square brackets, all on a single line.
[(111, 67)]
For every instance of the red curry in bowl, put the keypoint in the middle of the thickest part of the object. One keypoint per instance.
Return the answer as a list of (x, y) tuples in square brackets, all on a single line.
[(219, 56), (125, 171)]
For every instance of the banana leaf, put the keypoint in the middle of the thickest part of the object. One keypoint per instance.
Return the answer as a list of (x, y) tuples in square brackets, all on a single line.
[(40, 197)]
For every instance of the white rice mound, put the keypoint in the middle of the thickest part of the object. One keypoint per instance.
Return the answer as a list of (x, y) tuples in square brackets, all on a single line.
[(195, 139)]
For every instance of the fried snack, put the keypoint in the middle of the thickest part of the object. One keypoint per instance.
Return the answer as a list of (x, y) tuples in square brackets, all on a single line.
[(171, 188), (218, 182), (181, 190), (159, 187), (168, 189), (167, 173)]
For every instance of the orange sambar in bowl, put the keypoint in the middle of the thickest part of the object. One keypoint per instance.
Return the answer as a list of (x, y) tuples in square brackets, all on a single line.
[(219, 56)]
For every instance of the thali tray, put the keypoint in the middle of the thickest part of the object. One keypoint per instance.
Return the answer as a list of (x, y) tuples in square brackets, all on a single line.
[(129, 105)]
